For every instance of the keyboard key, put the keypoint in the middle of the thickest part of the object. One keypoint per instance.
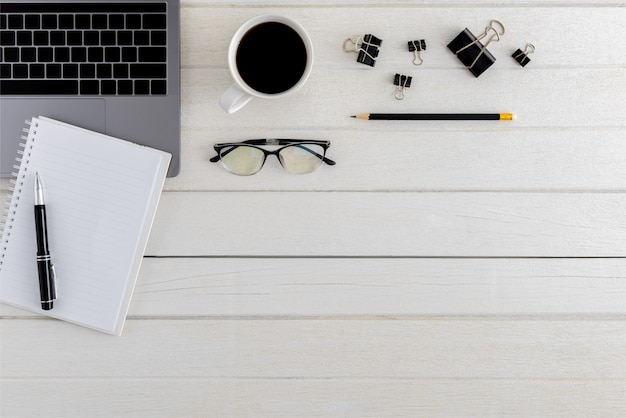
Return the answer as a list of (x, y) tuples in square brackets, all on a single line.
[(120, 71), (112, 54), (158, 37), (82, 22), (125, 87), (129, 54), (107, 38), (5, 70), (70, 70), (23, 87), (142, 37), (62, 54), (99, 21), (108, 87), (79, 54), (45, 54), (66, 22), (87, 70), (16, 21), (40, 38), (53, 70), (95, 54), (142, 86), (148, 70), (124, 37), (89, 87), (37, 70), (152, 54), (116, 21), (7, 38), (57, 37), (11, 54), (20, 71), (32, 22), (92, 38), (49, 21), (154, 21), (25, 38), (3, 21), (74, 38), (29, 54), (133, 21), (158, 87), (104, 71)]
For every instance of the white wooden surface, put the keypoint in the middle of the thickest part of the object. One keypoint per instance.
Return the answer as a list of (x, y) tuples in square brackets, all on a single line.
[(439, 269)]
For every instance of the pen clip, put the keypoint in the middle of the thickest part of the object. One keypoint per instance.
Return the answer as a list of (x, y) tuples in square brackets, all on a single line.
[(53, 283)]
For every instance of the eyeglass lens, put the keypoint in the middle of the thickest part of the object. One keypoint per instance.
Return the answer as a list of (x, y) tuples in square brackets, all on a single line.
[(301, 159), (242, 160), (298, 159)]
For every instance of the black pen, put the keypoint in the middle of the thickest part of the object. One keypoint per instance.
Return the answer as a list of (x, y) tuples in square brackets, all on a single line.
[(47, 279)]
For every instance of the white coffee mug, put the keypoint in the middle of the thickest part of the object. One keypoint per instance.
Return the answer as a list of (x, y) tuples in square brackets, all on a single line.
[(269, 57)]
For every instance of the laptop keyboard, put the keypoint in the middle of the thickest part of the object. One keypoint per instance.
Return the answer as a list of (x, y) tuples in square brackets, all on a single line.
[(83, 48)]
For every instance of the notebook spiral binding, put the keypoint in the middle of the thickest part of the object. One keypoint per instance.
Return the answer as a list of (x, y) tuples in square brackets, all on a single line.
[(16, 185)]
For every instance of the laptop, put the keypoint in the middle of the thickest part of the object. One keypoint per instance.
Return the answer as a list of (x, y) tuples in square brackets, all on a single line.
[(109, 66)]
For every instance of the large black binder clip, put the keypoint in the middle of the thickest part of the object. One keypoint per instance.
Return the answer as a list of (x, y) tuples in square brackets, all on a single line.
[(366, 46), (402, 82), (522, 56), (417, 47), (472, 53)]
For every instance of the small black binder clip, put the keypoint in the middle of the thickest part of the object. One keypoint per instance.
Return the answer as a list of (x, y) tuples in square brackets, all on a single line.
[(402, 82), (522, 56), (417, 47), (472, 53), (367, 47)]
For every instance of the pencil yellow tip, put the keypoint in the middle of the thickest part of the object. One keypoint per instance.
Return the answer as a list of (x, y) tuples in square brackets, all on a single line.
[(506, 116)]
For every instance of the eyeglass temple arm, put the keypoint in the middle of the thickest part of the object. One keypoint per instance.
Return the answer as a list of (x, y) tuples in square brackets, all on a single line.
[(323, 158)]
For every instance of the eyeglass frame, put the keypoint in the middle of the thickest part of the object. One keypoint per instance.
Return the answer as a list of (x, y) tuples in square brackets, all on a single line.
[(255, 143)]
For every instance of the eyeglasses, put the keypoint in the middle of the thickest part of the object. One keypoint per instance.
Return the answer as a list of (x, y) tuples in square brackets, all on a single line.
[(296, 156)]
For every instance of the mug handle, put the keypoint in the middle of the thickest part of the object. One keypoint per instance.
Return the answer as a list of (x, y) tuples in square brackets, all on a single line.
[(234, 99)]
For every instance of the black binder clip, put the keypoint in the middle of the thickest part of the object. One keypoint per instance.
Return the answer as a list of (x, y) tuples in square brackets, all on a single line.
[(367, 47), (402, 82), (417, 47), (522, 56), (472, 53)]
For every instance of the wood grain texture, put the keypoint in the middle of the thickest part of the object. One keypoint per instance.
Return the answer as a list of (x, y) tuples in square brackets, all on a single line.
[(372, 287), (389, 224), (322, 348), (236, 397)]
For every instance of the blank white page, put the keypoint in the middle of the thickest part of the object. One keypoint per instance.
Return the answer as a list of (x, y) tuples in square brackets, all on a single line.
[(101, 195)]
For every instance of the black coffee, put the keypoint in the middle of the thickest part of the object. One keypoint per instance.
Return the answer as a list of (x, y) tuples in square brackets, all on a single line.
[(271, 58)]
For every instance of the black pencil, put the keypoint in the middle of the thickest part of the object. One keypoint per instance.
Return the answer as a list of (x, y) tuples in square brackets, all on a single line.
[(435, 116)]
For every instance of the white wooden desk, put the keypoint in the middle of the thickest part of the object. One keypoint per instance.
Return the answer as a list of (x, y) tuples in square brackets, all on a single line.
[(439, 269)]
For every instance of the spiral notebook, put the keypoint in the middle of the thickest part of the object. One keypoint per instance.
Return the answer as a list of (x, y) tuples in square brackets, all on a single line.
[(101, 198)]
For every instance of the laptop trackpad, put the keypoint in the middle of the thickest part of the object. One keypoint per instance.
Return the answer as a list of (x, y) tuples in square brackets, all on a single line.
[(86, 113)]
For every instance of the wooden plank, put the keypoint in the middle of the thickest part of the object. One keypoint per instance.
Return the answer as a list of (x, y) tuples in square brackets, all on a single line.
[(312, 287), (208, 28), (254, 397), (580, 98), (420, 348), (403, 4), (394, 287), (586, 159), (421, 160), (389, 224)]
